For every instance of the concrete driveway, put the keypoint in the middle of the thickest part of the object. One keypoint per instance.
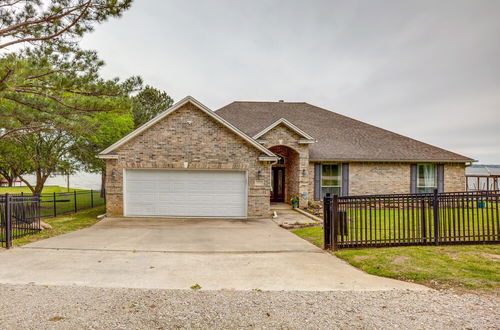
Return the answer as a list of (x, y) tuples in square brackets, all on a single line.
[(179, 253)]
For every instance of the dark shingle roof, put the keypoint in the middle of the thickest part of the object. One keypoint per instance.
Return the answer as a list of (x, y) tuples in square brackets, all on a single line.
[(339, 137)]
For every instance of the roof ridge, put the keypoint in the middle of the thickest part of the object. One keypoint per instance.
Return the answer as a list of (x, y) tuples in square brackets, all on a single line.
[(251, 117), (268, 102), (384, 129)]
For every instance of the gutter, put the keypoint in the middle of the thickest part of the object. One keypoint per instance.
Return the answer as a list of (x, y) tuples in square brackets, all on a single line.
[(469, 162)]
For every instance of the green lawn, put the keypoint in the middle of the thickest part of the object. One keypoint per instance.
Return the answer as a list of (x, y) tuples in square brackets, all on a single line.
[(65, 202), (64, 224), (46, 190), (459, 267)]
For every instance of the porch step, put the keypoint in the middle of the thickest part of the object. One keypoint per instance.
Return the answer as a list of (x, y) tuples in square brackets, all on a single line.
[(280, 206)]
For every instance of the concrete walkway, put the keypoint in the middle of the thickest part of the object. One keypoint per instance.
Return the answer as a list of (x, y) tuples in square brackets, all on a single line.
[(178, 253)]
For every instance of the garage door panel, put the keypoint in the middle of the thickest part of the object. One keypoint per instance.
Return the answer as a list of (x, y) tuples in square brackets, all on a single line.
[(141, 184), (185, 193), (144, 209)]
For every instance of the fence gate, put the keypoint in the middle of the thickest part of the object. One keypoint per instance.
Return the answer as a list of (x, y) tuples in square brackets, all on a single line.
[(19, 216), (412, 219)]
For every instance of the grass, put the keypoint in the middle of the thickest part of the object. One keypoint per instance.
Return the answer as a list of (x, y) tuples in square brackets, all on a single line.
[(391, 224), (46, 190), (65, 203), (467, 267), (63, 224)]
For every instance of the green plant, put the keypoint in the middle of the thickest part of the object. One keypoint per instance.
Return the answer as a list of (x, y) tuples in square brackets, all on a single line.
[(195, 287)]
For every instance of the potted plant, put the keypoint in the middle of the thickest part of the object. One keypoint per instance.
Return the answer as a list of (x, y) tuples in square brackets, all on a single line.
[(295, 202)]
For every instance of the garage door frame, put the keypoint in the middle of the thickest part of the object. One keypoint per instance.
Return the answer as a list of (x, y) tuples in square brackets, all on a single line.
[(124, 191)]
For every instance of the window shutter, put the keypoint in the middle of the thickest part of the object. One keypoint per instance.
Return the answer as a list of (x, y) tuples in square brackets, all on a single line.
[(345, 179), (317, 182), (440, 178), (413, 178)]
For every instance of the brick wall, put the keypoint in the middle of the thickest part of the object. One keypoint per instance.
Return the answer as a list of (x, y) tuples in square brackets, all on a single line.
[(379, 178), (454, 177), (189, 135), (392, 178)]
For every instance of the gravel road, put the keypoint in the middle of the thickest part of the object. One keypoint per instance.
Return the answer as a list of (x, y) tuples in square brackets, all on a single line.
[(53, 307)]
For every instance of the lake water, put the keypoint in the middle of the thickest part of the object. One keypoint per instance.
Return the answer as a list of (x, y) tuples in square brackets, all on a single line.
[(79, 180)]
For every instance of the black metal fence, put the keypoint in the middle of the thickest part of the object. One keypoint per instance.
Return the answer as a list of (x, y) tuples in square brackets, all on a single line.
[(20, 213), (412, 219), (19, 216), (54, 204)]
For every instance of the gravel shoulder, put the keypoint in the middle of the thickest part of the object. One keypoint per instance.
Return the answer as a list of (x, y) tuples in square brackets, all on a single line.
[(61, 307)]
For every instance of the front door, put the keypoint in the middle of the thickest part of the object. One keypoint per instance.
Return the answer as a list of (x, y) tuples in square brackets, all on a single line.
[(278, 184)]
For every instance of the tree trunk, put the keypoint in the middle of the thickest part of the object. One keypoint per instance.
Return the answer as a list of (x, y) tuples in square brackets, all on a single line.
[(9, 176), (27, 183), (40, 183)]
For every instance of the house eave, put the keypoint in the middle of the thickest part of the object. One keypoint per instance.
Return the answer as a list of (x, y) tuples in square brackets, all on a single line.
[(104, 156), (289, 125), (268, 159)]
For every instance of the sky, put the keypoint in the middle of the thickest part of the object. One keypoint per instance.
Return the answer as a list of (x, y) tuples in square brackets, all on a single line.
[(429, 70)]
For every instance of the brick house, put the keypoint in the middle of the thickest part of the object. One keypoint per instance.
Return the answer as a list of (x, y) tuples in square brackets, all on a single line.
[(190, 161)]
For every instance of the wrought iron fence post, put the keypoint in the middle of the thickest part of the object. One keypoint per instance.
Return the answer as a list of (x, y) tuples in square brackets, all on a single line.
[(8, 222), (74, 197), (423, 221), (55, 204), (436, 216), (91, 198), (327, 221), (335, 222)]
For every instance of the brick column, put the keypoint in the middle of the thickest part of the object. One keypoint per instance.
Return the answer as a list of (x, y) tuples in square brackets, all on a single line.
[(304, 178)]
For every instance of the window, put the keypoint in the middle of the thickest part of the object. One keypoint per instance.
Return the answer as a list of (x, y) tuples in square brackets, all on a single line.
[(426, 178), (331, 179)]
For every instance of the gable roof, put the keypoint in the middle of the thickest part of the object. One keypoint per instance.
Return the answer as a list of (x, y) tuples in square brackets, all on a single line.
[(289, 125), (106, 152), (339, 138)]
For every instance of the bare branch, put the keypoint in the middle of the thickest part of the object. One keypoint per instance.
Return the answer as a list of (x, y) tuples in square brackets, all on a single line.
[(9, 72), (50, 36), (42, 20), (26, 104), (53, 98), (18, 132), (10, 4), (46, 74), (72, 91)]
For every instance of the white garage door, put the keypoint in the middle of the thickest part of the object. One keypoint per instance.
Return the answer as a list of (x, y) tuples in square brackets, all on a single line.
[(186, 193)]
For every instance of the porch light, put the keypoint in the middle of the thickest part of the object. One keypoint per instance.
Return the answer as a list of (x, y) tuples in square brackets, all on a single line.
[(259, 174), (114, 173), (303, 171)]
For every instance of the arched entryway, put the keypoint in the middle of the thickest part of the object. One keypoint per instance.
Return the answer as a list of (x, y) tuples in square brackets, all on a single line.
[(285, 174)]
